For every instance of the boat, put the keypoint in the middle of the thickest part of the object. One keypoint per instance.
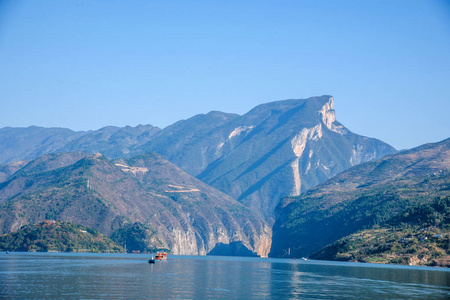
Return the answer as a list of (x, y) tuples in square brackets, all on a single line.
[(161, 256)]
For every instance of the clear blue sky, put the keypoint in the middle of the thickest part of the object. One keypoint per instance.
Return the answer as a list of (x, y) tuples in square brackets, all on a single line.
[(88, 64)]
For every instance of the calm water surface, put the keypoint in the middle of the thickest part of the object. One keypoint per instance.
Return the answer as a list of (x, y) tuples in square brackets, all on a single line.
[(126, 276)]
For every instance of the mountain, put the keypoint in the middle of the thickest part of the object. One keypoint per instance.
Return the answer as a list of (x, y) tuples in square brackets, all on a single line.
[(277, 149), (49, 162), (187, 143), (418, 236), (181, 213), (112, 141), (18, 144), (361, 197), (7, 170), (57, 236)]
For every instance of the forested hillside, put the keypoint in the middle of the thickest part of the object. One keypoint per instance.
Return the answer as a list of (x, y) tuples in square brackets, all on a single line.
[(418, 236), (362, 197), (57, 236)]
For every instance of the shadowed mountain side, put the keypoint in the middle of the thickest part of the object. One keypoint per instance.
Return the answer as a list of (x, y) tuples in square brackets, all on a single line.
[(182, 213), (231, 249), (420, 235), (360, 198)]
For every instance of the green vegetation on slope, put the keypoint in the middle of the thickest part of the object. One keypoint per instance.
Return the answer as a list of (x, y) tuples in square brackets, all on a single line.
[(361, 198), (136, 238), (57, 236), (180, 212), (418, 236)]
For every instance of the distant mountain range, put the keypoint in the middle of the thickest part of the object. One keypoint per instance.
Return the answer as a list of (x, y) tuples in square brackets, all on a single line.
[(365, 197), (18, 144), (277, 149)]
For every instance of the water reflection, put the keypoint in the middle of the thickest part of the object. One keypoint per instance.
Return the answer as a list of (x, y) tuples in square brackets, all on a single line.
[(78, 276), (205, 278), (359, 281)]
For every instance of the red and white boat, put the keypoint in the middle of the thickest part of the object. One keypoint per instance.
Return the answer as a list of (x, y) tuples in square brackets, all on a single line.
[(161, 256)]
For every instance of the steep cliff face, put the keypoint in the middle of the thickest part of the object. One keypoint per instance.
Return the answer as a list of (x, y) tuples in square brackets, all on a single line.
[(361, 197), (184, 214), (277, 149)]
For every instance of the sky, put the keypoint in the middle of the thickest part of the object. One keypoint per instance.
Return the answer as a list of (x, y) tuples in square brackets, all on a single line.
[(88, 64)]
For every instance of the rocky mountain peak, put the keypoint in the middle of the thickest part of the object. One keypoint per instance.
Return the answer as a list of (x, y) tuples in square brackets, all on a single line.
[(328, 115)]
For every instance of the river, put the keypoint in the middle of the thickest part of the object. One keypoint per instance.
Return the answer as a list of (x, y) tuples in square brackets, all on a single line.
[(129, 276)]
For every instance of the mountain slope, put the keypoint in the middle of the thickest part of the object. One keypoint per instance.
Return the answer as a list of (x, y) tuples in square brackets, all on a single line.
[(187, 143), (183, 214), (112, 141), (57, 236), (17, 144), (277, 149), (361, 197), (7, 170), (418, 236)]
